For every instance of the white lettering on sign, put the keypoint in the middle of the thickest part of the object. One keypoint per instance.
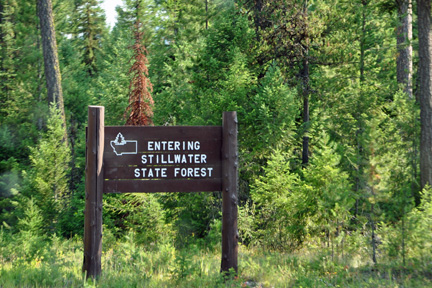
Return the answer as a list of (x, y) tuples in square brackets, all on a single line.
[(193, 172), (150, 172), (159, 154), (173, 145), (174, 158)]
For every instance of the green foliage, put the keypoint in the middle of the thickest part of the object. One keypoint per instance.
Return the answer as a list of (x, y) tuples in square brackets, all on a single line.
[(275, 198), (291, 205), (90, 23), (419, 236), (246, 224), (140, 214), (71, 217), (9, 179), (31, 237), (7, 50), (214, 236), (193, 215), (111, 87), (17, 58), (127, 264), (183, 265), (272, 116), (47, 181), (147, 219), (328, 194)]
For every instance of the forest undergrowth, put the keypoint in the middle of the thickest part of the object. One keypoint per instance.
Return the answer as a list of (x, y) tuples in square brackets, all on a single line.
[(57, 262)]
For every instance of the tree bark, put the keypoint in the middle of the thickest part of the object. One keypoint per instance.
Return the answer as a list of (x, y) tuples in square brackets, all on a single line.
[(207, 18), (229, 193), (258, 7), (306, 89), (51, 62), (404, 46), (305, 82), (425, 90)]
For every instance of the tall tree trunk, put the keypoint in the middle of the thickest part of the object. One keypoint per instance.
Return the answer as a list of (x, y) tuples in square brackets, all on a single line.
[(51, 62), (306, 89), (3, 75), (359, 183), (362, 43), (305, 84), (373, 235), (404, 46), (258, 7), (1, 36), (207, 17), (425, 89), (40, 80)]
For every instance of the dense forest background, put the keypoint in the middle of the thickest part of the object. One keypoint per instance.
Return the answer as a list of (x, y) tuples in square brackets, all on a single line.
[(332, 103)]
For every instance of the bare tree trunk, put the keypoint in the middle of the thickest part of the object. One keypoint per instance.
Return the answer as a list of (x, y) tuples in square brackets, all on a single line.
[(362, 42), (425, 90), (374, 242), (306, 89), (1, 36), (305, 82), (207, 18), (51, 62), (258, 7), (404, 46), (359, 132)]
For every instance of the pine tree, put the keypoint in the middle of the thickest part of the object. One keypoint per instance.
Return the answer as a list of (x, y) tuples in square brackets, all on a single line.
[(7, 46), (140, 100), (31, 237), (20, 57), (90, 21), (47, 181)]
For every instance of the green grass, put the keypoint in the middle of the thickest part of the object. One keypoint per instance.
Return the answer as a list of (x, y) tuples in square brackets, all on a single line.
[(124, 264)]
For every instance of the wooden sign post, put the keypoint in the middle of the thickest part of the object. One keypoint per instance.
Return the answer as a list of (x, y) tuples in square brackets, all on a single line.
[(229, 192), (123, 159), (93, 195)]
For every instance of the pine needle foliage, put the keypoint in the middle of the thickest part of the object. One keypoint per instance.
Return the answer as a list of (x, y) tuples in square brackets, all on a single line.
[(141, 102), (47, 179)]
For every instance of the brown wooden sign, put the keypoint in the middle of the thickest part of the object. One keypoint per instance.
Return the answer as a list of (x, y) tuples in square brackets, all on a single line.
[(162, 159), (122, 159)]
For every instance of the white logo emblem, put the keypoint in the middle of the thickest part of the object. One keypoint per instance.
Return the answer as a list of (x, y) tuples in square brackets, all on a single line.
[(122, 146)]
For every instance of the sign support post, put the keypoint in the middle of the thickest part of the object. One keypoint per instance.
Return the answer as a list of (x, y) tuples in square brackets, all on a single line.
[(229, 192), (94, 190)]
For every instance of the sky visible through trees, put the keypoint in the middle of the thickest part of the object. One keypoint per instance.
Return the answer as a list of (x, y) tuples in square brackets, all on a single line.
[(109, 8)]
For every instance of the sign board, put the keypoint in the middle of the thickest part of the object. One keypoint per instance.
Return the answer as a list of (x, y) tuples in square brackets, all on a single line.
[(162, 159), (123, 159)]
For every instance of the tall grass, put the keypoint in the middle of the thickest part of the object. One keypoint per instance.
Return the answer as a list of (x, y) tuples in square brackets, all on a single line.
[(124, 264)]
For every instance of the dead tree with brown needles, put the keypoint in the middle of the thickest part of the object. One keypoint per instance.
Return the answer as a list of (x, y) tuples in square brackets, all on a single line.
[(140, 109)]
